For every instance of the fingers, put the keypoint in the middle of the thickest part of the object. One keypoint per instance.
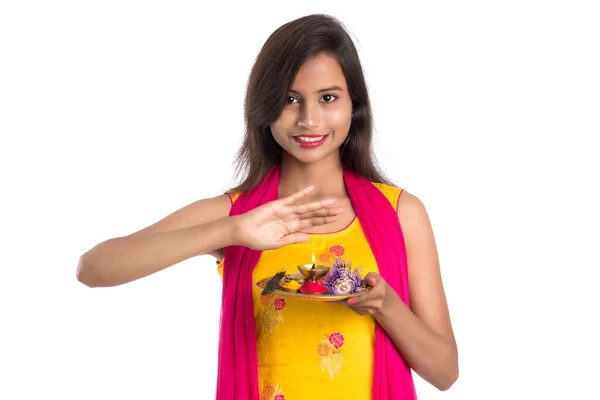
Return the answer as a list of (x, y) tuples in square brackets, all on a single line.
[(296, 237), (308, 210), (296, 196), (364, 310), (294, 225), (363, 305), (366, 304), (360, 301), (371, 298), (312, 206), (360, 311), (373, 301), (372, 278), (323, 212), (316, 221)]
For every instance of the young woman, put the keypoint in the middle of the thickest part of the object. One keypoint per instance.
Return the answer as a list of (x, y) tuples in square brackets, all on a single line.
[(310, 187)]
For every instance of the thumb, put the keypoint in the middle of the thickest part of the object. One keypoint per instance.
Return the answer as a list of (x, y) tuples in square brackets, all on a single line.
[(372, 278)]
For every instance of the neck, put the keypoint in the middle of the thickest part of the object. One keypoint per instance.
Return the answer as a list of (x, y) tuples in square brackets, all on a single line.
[(326, 175)]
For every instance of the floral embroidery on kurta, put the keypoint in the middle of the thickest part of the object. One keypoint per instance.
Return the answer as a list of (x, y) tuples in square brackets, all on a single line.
[(329, 255), (331, 354), (272, 314), (324, 257), (337, 250), (271, 392)]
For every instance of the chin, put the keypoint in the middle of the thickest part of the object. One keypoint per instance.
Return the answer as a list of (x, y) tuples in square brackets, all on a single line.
[(312, 156)]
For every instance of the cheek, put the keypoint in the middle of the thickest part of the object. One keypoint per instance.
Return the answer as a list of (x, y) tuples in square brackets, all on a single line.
[(336, 116), (339, 120)]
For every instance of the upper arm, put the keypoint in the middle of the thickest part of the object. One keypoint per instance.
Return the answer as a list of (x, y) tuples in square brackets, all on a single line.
[(427, 297), (197, 213)]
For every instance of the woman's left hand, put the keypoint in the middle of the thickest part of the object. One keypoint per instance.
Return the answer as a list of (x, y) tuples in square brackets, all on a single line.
[(375, 300)]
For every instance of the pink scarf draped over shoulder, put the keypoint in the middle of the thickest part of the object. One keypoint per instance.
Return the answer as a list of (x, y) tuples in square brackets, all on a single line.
[(237, 377)]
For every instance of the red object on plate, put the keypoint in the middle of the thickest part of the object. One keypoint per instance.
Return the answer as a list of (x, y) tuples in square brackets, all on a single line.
[(313, 288)]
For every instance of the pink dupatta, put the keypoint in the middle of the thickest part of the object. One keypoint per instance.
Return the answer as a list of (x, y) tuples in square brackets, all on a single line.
[(237, 377)]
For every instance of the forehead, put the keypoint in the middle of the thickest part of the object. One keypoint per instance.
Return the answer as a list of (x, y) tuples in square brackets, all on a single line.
[(319, 72)]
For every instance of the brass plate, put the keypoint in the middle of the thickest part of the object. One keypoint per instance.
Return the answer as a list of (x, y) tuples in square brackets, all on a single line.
[(287, 292)]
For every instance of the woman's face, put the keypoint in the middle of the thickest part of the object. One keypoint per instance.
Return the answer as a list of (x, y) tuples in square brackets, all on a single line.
[(316, 117)]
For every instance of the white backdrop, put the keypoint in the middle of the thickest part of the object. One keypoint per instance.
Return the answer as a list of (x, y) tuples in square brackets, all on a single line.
[(114, 114)]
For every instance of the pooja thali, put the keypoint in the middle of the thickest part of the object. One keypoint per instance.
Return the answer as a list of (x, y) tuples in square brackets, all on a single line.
[(288, 286)]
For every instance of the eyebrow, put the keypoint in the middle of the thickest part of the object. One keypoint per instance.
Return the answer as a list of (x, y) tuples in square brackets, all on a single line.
[(329, 89)]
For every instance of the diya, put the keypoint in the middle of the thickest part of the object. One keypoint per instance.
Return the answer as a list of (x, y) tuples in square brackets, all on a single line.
[(313, 274)]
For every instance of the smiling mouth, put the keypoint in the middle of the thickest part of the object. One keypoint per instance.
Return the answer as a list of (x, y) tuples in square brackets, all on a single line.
[(309, 139)]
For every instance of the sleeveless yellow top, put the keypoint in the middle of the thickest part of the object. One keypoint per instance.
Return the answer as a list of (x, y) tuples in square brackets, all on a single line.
[(310, 349)]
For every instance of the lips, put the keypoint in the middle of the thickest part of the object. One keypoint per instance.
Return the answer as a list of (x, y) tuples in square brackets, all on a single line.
[(310, 141)]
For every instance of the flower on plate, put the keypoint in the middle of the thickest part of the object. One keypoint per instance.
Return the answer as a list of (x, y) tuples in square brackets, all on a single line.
[(342, 279)]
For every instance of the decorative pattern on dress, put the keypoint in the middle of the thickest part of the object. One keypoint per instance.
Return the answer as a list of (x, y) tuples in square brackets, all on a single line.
[(271, 392), (272, 314), (331, 354), (329, 255)]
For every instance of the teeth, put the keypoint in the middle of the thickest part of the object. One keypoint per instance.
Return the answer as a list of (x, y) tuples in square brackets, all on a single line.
[(312, 139)]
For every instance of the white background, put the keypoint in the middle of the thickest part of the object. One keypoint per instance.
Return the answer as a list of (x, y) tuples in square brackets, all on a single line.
[(115, 113)]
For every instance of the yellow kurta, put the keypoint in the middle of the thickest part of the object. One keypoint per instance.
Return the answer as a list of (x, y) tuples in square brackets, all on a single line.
[(309, 349)]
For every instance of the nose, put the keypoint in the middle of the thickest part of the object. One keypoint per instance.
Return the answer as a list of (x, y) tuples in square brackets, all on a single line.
[(310, 116)]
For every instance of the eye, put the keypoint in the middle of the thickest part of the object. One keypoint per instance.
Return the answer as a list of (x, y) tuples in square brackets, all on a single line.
[(329, 98), (291, 100)]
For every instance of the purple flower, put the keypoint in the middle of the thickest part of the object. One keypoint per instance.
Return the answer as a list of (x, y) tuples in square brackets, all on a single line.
[(342, 279)]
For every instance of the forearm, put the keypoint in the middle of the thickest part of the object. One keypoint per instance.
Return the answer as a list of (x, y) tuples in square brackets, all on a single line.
[(429, 354), (125, 259)]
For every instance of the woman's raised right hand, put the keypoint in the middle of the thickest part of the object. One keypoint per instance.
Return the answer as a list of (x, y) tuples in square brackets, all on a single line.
[(279, 222)]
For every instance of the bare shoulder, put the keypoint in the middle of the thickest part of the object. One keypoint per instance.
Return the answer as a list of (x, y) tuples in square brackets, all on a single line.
[(421, 249), (197, 213), (412, 212)]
